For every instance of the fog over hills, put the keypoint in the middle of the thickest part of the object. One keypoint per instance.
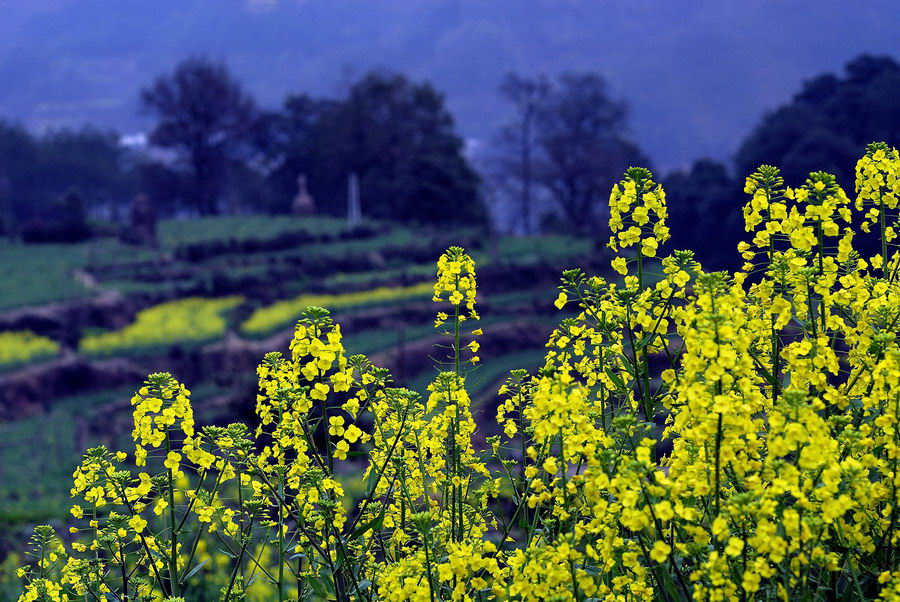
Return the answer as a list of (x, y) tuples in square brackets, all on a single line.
[(698, 73)]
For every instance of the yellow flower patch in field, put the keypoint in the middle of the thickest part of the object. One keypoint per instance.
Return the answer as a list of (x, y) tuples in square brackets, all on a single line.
[(265, 319), (186, 320), (20, 346)]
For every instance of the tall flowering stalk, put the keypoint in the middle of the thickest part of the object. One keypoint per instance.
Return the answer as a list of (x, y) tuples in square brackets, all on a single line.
[(637, 218), (878, 187)]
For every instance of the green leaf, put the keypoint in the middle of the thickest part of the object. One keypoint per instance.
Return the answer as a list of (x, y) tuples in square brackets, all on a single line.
[(617, 380), (372, 525), (193, 571), (318, 587)]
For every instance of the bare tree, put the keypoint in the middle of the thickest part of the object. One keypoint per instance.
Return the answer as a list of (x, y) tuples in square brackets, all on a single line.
[(527, 95), (206, 118), (583, 147)]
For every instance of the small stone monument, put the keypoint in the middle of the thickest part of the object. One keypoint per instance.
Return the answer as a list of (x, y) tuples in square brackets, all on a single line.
[(303, 203), (142, 221), (354, 206)]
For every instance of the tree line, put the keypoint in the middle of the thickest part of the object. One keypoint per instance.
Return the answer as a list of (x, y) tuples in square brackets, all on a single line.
[(557, 160), (549, 167)]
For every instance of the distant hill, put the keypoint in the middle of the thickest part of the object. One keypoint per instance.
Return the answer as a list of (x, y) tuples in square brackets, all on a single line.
[(699, 74)]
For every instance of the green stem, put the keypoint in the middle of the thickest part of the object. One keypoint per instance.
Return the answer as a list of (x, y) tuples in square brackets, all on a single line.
[(456, 492), (281, 537), (882, 227), (640, 262), (718, 454), (428, 568), (173, 551)]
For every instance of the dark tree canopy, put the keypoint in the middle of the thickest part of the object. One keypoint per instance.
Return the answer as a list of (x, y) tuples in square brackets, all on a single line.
[(64, 221), (397, 136), (705, 212), (565, 147), (207, 119), (826, 126), (828, 123), (36, 172), (294, 149)]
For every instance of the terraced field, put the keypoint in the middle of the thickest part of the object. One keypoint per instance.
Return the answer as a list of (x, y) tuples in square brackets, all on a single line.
[(94, 316)]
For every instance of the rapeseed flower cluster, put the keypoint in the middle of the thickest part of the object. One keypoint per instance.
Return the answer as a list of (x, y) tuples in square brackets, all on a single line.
[(701, 435), (878, 186), (637, 217)]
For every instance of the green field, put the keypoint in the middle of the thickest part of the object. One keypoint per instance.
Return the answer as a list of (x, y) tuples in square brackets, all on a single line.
[(175, 233), (38, 274), (46, 273)]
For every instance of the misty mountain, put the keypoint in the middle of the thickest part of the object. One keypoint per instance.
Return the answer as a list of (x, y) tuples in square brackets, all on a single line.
[(698, 74)]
